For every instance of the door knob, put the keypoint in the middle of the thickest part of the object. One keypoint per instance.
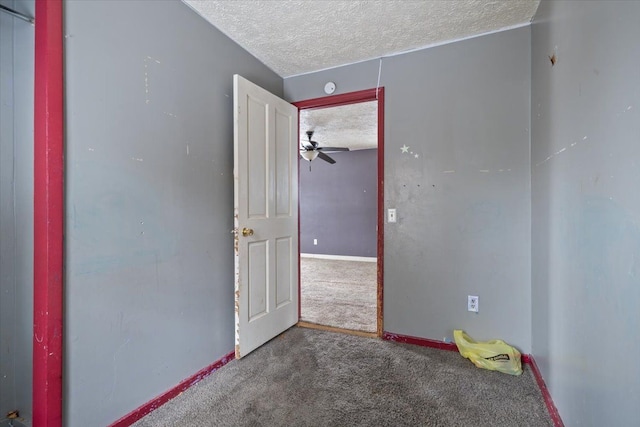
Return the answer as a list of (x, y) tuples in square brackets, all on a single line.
[(247, 231)]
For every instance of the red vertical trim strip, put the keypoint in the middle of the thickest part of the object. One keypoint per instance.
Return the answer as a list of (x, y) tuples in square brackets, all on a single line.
[(48, 215), (299, 272), (380, 293)]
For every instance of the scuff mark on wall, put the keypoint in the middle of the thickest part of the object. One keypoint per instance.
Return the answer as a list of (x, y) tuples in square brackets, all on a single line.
[(115, 367), (147, 89), (560, 151)]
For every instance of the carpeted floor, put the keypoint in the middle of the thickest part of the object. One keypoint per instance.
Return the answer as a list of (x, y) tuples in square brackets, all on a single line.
[(11, 423), (308, 377), (339, 293)]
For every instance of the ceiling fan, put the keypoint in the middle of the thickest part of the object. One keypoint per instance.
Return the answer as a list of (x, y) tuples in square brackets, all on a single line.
[(310, 150)]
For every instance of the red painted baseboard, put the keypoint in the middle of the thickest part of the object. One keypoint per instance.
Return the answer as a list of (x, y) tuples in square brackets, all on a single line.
[(154, 404), (525, 358), (551, 407), (424, 342)]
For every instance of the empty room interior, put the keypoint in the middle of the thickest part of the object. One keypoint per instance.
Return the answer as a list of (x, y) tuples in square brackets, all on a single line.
[(339, 217), (159, 266)]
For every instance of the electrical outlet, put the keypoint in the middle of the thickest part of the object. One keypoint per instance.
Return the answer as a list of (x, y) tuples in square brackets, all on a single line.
[(315, 242), (391, 215), (472, 303)]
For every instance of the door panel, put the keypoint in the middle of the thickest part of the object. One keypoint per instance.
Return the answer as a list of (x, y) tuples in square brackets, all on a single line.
[(257, 158), (258, 291), (283, 165), (283, 272), (266, 200)]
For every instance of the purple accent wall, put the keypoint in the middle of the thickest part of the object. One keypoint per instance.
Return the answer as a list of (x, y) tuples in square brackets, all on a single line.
[(338, 204)]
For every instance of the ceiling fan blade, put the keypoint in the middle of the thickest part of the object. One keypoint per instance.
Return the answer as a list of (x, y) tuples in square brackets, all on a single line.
[(330, 149), (326, 158)]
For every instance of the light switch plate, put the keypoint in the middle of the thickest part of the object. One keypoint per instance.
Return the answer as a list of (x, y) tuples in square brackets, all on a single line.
[(391, 215)]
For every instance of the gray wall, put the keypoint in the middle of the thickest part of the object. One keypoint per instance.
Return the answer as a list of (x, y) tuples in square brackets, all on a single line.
[(16, 209), (460, 107), (586, 208), (338, 204), (149, 201)]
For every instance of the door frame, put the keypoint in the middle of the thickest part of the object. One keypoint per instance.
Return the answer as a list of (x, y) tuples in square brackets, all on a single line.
[(375, 94)]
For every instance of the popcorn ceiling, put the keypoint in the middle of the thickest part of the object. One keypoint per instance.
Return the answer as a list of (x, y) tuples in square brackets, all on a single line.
[(295, 36), (353, 126)]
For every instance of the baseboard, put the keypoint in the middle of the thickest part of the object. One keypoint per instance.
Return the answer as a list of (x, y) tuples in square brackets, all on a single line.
[(424, 342), (551, 407), (154, 404), (340, 257), (525, 358)]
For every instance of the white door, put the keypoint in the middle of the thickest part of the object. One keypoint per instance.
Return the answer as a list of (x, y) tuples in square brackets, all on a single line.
[(266, 215)]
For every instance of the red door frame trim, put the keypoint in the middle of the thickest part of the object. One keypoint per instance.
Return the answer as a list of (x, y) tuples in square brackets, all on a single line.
[(346, 99), (48, 212)]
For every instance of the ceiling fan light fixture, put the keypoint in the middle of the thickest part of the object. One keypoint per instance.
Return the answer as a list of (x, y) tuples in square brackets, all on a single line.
[(309, 155)]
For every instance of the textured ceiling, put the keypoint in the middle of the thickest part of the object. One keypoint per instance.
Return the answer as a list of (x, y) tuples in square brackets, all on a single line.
[(353, 126), (299, 36)]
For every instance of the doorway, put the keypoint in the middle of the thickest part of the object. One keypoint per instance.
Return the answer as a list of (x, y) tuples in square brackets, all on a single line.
[(341, 218)]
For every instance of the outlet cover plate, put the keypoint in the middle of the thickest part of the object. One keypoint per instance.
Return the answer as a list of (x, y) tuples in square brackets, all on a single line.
[(472, 303)]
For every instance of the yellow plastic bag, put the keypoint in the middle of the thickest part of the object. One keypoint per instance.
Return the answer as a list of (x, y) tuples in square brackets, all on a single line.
[(494, 355)]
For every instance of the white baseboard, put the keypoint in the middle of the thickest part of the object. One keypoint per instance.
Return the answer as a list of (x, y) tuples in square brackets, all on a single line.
[(340, 257)]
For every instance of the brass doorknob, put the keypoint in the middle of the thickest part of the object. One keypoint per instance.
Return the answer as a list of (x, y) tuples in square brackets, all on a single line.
[(247, 231)]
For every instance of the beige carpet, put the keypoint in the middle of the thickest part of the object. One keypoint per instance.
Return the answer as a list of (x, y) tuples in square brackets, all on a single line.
[(341, 294)]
